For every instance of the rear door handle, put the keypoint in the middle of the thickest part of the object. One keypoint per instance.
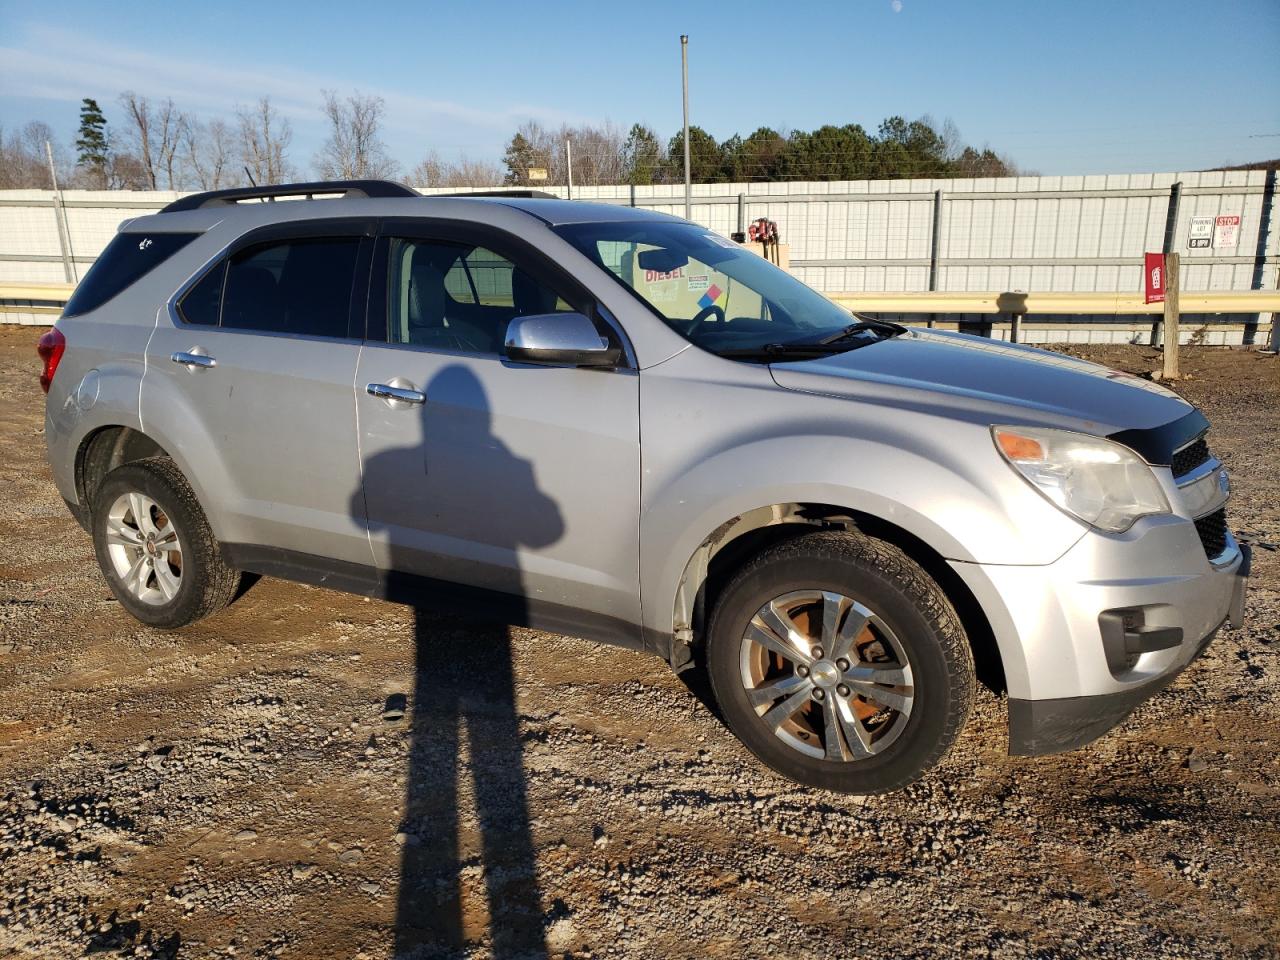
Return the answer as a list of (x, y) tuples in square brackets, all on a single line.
[(193, 360), (385, 391)]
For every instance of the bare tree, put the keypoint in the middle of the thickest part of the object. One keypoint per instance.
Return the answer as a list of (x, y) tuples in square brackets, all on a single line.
[(23, 165), (430, 172), (264, 141), (140, 135), (169, 132), (127, 172), (155, 134), (599, 154), (141, 132), (952, 142), (354, 151), (464, 172), (208, 150)]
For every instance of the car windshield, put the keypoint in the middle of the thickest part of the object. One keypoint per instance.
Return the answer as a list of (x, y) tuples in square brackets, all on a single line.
[(715, 293)]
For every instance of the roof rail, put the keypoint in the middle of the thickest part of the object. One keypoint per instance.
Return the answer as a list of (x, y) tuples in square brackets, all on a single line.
[(517, 194), (348, 188)]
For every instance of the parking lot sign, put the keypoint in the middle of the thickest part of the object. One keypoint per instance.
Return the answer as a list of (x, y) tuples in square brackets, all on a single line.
[(1200, 235)]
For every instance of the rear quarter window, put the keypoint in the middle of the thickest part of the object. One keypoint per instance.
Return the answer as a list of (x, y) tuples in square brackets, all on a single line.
[(127, 258)]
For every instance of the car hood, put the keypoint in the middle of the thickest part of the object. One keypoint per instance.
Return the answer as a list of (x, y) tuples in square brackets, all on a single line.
[(989, 379)]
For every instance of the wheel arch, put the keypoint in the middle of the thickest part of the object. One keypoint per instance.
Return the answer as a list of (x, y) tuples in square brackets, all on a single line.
[(105, 448), (734, 542)]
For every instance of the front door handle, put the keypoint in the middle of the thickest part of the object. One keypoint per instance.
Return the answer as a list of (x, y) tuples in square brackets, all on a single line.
[(394, 395), (195, 358)]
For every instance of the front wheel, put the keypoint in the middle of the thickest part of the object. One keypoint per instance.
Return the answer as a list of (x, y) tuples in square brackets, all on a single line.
[(155, 547), (840, 664)]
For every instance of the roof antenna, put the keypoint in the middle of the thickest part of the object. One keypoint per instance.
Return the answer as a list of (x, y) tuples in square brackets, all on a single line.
[(252, 182)]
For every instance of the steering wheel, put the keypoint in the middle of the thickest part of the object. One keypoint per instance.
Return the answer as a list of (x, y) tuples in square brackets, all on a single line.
[(703, 316)]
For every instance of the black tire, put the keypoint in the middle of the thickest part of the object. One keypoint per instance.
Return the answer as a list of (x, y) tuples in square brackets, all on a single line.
[(882, 577), (206, 584)]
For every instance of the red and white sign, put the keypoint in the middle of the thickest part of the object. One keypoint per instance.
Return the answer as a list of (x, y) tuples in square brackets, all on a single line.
[(1154, 274), (1226, 231)]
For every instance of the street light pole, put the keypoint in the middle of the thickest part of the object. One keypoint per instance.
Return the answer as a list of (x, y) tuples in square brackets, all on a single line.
[(568, 162), (684, 69)]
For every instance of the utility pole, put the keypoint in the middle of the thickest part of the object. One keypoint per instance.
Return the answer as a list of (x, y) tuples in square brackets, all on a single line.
[(568, 162), (60, 217), (684, 70)]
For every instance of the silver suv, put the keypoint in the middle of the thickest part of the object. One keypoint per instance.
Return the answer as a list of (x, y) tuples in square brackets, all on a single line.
[(617, 424)]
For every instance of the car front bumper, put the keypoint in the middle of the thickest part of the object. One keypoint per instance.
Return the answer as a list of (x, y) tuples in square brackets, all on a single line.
[(1087, 639)]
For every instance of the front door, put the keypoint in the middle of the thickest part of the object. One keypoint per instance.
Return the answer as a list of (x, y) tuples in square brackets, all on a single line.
[(519, 479)]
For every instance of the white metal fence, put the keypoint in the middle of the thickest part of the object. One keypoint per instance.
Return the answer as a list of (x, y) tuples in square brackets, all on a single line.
[(1028, 234)]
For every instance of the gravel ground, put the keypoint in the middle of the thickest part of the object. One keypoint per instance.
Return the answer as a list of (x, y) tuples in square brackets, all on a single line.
[(311, 774)]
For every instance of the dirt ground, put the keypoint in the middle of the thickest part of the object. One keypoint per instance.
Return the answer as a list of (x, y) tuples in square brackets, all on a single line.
[(311, 774)]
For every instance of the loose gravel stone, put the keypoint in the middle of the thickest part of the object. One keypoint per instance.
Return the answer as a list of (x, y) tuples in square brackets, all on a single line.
[(592, 805)]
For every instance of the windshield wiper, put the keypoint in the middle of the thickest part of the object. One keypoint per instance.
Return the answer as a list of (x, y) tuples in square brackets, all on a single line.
[(771, 350), (839, 342), (887, 327)]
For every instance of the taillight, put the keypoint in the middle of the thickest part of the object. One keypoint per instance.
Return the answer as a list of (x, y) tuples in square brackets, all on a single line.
[(50, 347)]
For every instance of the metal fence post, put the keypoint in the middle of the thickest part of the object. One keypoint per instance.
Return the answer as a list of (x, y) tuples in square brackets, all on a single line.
[(935, 245), (936, 241), (1266, 216), (1171, 218)]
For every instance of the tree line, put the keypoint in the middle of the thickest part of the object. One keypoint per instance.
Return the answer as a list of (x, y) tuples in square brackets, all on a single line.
[(899, 149), (158, 146), (155, 145)]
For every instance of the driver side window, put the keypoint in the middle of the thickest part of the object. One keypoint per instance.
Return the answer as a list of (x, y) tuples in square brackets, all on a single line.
[(454, 296)]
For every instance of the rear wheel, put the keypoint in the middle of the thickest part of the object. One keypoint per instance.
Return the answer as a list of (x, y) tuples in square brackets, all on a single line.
[(840, 663), (155, 547)]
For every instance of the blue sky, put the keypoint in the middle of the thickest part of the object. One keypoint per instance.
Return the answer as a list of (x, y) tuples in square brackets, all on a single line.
[(1063, 87)]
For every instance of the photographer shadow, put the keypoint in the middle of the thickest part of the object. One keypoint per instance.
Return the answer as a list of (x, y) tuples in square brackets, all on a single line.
[(463, 694)]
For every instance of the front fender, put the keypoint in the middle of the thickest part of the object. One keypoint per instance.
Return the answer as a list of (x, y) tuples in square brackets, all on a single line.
[(963, 516)]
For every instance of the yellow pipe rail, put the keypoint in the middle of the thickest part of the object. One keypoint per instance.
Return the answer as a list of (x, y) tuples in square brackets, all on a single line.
[(36, 291), (1095, 304)]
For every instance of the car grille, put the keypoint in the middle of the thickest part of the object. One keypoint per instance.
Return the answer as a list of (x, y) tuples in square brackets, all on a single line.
[(1190, 457), (1213, 533)]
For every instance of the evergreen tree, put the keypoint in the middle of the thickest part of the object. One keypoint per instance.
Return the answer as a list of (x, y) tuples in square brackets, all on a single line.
[(93, 146), (706, 163), (758, 157), (829, 153), (520, 156), (643, 155)]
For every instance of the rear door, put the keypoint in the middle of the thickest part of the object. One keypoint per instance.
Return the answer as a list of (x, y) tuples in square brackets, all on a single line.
[(519, 479), (264, 347)]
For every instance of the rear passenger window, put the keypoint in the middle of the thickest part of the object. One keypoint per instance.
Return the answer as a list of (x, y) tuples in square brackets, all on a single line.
[(202, 302), (127, 258), (300, 287)]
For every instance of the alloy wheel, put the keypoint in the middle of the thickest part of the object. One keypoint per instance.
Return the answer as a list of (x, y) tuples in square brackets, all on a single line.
[(144, 548), (826, 675)]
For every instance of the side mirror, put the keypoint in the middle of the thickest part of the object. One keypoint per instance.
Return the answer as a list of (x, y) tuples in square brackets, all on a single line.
[(558, 340)]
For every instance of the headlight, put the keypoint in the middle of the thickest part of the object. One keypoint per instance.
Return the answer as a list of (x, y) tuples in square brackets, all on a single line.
[(1104, 484)]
